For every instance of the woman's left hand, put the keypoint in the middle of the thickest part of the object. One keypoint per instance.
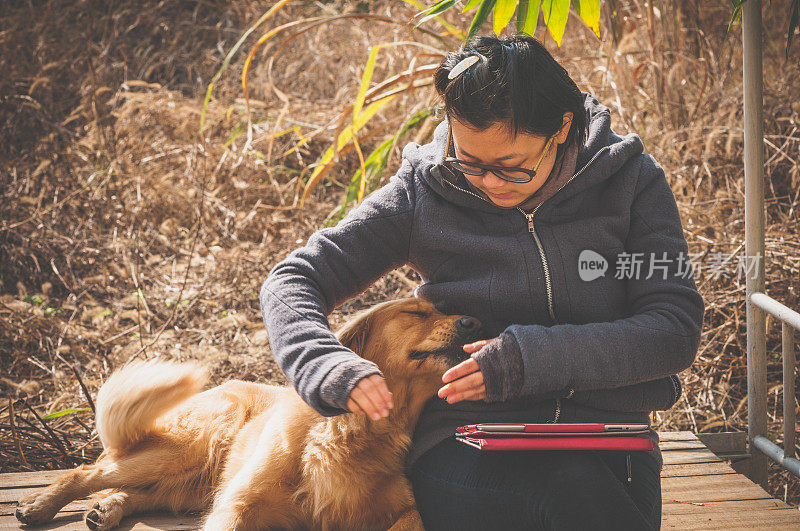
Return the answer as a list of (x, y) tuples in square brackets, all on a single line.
[(465, 380)]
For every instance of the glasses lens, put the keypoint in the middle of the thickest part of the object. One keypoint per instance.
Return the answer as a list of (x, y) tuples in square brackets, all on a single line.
[(515, 176), (469, 169), (510, 174)]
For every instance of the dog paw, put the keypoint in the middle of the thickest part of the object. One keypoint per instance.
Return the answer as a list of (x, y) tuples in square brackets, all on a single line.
[(34, 509), (104, 514)]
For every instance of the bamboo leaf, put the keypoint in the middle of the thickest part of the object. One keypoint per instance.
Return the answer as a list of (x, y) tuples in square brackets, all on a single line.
[(365, 79), (556, 13), (528, 16), (65, 412), (230, 55), (589, 11), (375, 164), (434, 7), (449, 27), (326, 162), (472, 4), (480, 17), (361, 188), (435, 10), (737, 11), (503, 11)]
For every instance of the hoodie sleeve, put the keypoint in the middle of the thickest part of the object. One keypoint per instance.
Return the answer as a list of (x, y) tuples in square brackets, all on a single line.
[(659, 339), (336, 264)]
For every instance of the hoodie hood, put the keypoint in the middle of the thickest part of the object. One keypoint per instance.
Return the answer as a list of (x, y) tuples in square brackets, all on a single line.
[(601, 155)]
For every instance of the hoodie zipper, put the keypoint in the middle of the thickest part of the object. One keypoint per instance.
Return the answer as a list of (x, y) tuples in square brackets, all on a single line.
[(532, 230)]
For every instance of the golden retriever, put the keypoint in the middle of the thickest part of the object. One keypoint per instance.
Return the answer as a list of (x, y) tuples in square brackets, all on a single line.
[(257, 455)]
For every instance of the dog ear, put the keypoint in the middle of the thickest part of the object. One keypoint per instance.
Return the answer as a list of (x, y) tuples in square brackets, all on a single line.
[(353, 334)]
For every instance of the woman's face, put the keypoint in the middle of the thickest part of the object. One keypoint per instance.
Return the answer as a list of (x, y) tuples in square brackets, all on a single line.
[(496, 145)]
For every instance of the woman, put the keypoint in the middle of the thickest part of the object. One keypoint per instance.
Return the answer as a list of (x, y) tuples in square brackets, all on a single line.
[(519, 212)]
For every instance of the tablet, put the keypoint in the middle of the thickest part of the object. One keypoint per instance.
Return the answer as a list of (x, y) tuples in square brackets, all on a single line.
[(552, 428)]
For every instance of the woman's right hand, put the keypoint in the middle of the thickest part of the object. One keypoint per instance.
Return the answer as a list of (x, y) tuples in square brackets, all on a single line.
[(371, 397)]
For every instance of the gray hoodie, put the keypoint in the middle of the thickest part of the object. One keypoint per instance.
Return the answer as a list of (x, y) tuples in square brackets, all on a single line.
[(568, 349)]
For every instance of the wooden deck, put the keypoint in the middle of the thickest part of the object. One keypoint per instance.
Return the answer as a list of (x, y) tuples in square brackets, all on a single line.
[(699, 489)]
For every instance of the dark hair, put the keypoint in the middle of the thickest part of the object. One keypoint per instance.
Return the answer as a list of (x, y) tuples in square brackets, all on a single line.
[(516, 82)]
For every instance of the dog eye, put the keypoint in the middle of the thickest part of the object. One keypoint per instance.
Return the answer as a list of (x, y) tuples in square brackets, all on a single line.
[(418, 314)]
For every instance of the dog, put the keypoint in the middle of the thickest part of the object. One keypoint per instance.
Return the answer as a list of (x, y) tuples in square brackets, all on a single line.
[(257, 455)]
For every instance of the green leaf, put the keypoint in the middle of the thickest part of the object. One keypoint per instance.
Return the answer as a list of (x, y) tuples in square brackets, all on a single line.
[(556, 13), (65, 412), (503, 11), (737, 10), (589, 11), (794, 20), (528, 16), (472, 4), (434, 10), (375, 164), (480, 18)]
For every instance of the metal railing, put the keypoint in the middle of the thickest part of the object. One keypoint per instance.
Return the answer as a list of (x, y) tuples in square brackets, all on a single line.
[(758, 303), (790, 321)]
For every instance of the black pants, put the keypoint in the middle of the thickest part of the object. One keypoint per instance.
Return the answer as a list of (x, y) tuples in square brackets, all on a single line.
[(460, 487)]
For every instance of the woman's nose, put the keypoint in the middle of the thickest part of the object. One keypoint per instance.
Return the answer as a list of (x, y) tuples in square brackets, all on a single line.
[(490, 180)]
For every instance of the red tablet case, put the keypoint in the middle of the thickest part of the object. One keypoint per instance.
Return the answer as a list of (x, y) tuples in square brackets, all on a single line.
[(630, 442), (593, 428)]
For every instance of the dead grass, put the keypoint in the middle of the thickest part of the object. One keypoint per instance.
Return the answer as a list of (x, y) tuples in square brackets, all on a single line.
[(123, 233)]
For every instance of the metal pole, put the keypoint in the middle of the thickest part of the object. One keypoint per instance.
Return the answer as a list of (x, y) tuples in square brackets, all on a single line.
[(754, 235), (788, 391)]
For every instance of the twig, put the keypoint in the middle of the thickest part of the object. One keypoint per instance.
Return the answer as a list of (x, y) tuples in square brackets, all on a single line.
[(58, 444), (14, 430), (171, 317)]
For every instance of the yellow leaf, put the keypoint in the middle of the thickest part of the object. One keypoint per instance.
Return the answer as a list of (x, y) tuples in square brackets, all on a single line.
[(589, 11), (326, 162), (556, 13), (472, 4), (365, 79), (503, 11)]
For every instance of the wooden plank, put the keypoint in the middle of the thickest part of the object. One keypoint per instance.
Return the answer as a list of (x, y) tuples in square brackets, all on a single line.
[(783, 519), (712, 488), (679, 457), (16, 494), (139, 522), (696, 469), (7, 509), (670, 507), (681, 445), (676, 436), (725, 442), (30, 479)]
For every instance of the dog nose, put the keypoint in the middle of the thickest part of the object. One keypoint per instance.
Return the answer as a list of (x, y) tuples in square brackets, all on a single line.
[(468, 324)]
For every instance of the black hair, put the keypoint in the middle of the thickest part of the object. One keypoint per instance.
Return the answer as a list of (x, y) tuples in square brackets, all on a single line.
[(516, 82)]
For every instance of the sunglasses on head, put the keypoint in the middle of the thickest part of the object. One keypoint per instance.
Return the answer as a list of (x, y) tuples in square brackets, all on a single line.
[(506, 173)]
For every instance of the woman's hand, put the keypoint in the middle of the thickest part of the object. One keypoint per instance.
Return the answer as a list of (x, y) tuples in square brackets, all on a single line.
[(465, 380), (371, 397)]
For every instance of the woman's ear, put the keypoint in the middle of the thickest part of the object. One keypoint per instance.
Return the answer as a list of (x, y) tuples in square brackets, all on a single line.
[(566, 122)]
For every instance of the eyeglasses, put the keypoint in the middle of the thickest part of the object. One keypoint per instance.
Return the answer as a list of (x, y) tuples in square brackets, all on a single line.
[(506, 173)]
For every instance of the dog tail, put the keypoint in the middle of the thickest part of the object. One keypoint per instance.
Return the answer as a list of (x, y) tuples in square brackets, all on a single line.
[(136, 395)]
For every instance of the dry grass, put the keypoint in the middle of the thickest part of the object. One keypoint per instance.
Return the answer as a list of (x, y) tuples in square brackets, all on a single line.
[(123, 233)]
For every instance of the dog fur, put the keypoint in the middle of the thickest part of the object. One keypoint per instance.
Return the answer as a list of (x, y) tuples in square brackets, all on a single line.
[(257, 455)]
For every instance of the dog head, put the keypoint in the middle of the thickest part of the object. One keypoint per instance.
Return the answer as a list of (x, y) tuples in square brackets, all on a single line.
[(409, 339)]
